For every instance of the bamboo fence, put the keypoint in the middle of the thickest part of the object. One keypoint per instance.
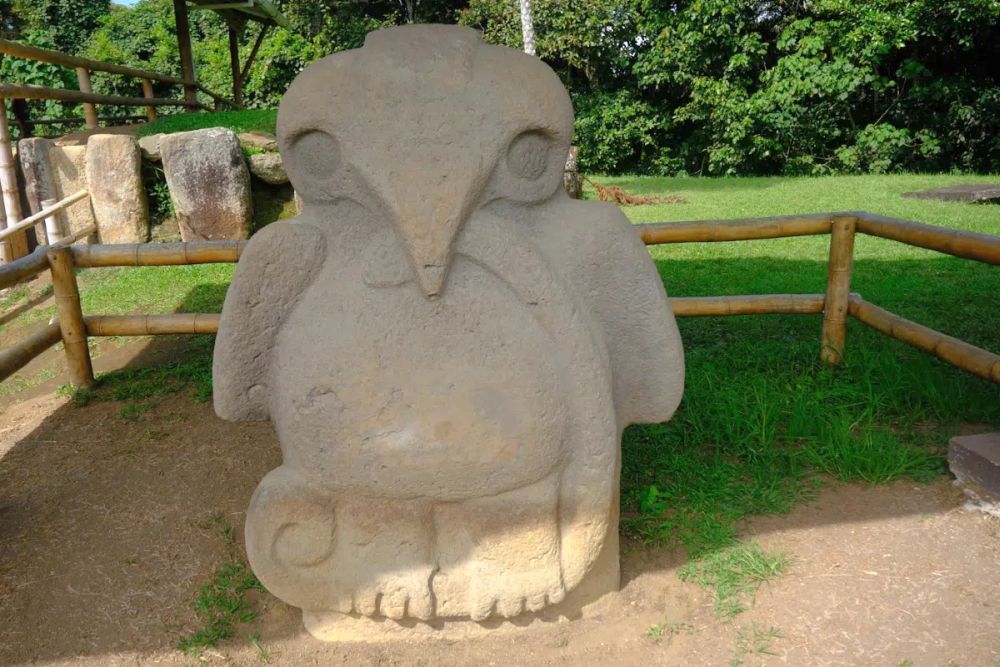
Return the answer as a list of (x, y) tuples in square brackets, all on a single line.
[(836, 304)]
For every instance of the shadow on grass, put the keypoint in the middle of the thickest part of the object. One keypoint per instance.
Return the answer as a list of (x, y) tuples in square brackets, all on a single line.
[(102, 507)]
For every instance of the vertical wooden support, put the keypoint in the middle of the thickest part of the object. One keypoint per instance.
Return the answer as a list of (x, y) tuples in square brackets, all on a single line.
[(184, 46), (234, 65), (147, 92), (89, 110), (71, 324), (838, 289), (53, 230), (15, 245)]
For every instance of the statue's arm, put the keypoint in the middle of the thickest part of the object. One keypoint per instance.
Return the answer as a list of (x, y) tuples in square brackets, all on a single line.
[(620, 283), (278, 263)]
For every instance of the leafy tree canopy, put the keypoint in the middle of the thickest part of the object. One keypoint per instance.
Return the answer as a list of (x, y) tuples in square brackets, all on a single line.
[(675, 86)]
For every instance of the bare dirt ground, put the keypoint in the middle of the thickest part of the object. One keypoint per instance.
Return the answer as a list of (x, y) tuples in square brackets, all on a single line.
[(104, 543)]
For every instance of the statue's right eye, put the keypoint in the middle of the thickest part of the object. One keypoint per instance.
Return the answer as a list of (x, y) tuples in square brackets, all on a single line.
[(315, 159)]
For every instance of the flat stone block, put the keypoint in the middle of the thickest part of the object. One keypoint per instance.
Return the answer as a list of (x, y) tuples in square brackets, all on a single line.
[(976, 459), (969, 192)]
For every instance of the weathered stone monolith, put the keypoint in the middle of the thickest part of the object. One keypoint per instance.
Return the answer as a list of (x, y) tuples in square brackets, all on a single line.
[(448, 345), (69, 175), (209, 184), (114, 178)]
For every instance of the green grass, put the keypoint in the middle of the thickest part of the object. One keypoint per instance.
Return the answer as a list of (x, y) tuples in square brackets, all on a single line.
[(761, 422), (753, 640), (733, 574), (262, 120), (760, 417), (222, 603)]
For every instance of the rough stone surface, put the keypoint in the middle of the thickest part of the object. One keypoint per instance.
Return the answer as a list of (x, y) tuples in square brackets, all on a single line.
[(69, 175), (967, 192), (269, 168), (209, 184), (975, 462), (114, 178), (36, 176), (150, 146), (262, 140), (448, 345)]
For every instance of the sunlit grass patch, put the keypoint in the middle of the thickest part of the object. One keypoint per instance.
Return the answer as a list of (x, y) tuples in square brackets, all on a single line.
[(733, 574)]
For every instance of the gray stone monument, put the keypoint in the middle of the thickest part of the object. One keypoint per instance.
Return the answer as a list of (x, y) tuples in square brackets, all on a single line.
[(448, 345)]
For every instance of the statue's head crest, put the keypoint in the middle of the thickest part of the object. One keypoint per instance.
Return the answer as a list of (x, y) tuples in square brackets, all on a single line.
[(421, 126)]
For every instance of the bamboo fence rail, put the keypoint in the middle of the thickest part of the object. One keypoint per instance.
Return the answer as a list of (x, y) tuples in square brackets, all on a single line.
[(956, 352), (835, 305), (152, 325), (158, 254), (35, 218), (753, 304), (30, 92), (736, 230), (21, 353), (968, 245)]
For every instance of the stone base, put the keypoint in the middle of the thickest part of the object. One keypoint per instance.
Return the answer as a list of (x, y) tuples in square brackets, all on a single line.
[(603, 580)]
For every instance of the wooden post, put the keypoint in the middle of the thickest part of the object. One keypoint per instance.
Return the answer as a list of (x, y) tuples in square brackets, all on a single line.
[(147, 92), (184, 45), (89, 110), (838, 289), (234, 65), (16, 245), (71, 324), (53, 230)]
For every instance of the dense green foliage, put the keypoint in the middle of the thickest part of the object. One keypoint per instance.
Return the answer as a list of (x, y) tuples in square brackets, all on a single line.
[(686, 86)]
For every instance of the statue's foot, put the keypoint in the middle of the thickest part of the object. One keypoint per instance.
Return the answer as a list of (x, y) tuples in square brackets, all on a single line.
[(341, 552), (499, 555), (383, 559)]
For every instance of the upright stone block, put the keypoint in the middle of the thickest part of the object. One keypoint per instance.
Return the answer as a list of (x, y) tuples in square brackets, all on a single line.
[(69, 175), (448, 345), (33, 158), (209, 184), (114, 178)]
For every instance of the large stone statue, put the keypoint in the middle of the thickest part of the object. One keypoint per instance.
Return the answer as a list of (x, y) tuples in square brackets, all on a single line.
[(448, 345)]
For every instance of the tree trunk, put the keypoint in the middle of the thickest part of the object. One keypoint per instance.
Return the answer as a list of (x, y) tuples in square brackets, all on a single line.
[(527, 27)]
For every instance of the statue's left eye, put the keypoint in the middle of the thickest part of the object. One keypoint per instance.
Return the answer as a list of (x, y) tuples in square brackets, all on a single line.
[(528, 155)]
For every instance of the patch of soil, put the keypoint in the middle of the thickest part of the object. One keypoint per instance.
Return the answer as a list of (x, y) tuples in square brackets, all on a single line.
[(104, 544)]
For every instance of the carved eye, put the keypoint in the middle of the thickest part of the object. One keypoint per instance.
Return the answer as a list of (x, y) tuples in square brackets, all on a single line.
[(316, 159), (528, 155)]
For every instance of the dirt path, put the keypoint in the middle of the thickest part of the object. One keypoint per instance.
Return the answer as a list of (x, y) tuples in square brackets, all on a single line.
[(104, 543)]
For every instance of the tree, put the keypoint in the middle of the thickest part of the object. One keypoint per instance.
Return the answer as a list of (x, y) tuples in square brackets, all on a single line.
[(527, 27)]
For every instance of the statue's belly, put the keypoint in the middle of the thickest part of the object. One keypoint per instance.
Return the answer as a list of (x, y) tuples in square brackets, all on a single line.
[(381, 390)]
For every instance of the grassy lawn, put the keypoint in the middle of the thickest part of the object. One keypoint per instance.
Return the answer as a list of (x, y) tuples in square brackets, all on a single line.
[(238, 121), (760, 420)]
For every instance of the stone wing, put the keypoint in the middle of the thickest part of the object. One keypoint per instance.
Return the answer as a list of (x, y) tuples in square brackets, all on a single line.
[(277, 265), (608, 264)]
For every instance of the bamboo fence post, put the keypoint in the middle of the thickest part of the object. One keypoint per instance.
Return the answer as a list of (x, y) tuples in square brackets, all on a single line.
[(71, 323), (147, 92), (53, 230), (89, 109), (16, 245), (838, 289)]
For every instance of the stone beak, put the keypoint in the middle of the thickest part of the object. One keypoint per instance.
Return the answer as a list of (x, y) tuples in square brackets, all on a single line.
[(431, 203)]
